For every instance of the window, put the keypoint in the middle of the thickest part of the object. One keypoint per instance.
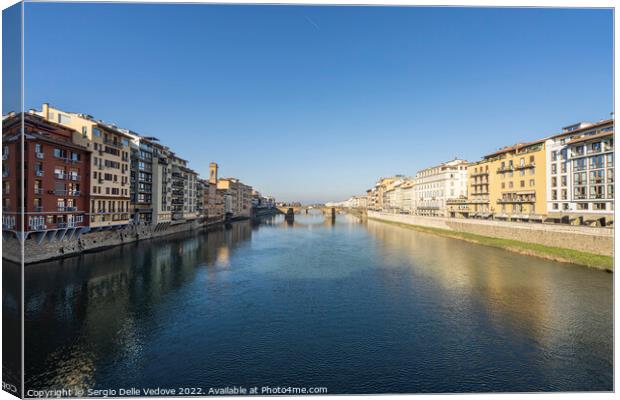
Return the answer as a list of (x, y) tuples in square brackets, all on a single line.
[(60, 153), (84, 131), (96, 132), (610, 160), (554, 155), (532, 182), (554, 181), (554, 169), (596, 177), (582, 206), (64, 119), (596, 162), (580, 193), (579, 164), (564, 180), (522, 183), (596, 192), (563, 168)]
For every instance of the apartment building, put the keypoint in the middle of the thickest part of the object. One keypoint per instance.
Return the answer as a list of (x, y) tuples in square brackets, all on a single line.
[(580, 177), (238, 197), (508, 184), (213, 204), (377, 196), (260, 201), (150, 181), (184, 190), (56, 179), (110, 169), (477, 202), (434, 186)]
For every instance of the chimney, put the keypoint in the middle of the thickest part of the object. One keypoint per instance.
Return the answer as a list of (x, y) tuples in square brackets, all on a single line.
[(45, 109)]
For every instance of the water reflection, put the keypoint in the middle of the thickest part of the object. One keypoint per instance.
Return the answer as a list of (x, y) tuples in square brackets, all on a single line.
[(356, 307)]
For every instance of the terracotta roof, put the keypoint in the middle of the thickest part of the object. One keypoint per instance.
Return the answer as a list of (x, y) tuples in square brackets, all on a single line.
[(515, 147), (590, 137)]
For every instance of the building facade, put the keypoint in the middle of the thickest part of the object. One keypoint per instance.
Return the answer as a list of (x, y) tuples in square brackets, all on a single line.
[(434, 186), (238, 197), (580, 177), (110, 165), (56, 179), (183, 188)]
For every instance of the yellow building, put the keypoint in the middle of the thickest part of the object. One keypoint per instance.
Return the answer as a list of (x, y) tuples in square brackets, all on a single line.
[(110, 172), (509, 184)]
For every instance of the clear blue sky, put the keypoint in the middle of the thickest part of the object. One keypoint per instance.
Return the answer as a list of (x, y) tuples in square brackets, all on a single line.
[(315, 103)]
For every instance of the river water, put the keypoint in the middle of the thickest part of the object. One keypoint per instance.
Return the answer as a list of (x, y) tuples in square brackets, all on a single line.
[(356, 307)]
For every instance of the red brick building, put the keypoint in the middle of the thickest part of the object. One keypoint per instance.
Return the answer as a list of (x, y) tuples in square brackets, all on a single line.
[(56, 178)]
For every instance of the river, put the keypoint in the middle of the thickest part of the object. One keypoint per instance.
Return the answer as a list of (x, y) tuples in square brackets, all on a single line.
[(356, 307)]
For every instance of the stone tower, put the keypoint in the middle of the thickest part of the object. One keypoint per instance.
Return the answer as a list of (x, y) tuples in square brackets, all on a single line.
[(213, 173)]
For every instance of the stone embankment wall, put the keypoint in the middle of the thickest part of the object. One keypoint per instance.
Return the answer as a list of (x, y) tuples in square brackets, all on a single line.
[(50, 248), (582, 238)]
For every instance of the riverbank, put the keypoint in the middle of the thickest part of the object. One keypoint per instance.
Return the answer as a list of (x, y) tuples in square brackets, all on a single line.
[(53, 245), (555, 253)]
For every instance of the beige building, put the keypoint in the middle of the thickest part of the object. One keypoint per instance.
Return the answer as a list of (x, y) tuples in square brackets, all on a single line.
[(110, 165), (238, 197)]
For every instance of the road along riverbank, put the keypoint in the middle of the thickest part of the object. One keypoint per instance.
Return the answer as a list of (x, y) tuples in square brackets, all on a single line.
[(591, 247)]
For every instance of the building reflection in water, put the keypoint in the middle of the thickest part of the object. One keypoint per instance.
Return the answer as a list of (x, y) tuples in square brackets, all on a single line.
[(396, 309), (529, 297), (88, 304)]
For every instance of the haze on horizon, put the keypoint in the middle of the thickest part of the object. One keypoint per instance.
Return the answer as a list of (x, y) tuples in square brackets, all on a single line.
[(312, 103)]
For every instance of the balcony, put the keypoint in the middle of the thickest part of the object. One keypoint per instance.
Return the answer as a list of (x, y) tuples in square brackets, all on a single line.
[(481, 173), (5, 156), (60, 176), (38, 172), (38, 209), (113, 143), (40, 156), (516, 200), (38, 190), (502, 170), (526, 166), (6, 227)]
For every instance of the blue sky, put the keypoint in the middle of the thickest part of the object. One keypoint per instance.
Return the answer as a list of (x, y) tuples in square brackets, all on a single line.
[(314, 103)]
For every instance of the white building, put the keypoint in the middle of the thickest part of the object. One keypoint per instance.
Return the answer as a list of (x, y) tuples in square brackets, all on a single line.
[(580, 173), (434, 185)]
